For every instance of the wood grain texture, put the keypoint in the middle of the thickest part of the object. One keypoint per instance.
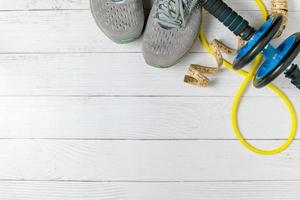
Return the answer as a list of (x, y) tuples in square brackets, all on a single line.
[(75, 31), (71, 130), (103, 74), (6, 5), (287, 190), (92, 160), (141, 118)]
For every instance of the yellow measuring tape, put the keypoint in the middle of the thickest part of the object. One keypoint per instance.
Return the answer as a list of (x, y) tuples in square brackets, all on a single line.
[(248, 79)]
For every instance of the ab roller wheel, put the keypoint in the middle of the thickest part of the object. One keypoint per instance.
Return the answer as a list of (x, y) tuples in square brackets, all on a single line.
[(257, 43), (276, 60)]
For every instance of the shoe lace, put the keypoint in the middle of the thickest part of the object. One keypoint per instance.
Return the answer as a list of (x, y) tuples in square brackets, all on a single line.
[(172, 13)]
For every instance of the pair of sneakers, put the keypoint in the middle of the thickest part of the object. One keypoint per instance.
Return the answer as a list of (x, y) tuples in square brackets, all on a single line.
[(170, 32)]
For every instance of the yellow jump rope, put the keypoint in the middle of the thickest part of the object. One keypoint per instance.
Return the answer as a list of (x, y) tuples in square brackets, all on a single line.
[(248, 78)]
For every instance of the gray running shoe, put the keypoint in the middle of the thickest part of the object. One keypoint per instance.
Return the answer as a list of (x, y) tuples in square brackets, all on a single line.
[(171, 30), (121, 20)]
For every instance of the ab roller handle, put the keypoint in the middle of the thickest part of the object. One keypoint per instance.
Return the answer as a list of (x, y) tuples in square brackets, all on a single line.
[(225, 14), (294, 74), (277, 60)]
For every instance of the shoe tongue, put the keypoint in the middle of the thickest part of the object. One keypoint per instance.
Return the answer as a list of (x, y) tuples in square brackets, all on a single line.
[(188, 6), (192, 4)]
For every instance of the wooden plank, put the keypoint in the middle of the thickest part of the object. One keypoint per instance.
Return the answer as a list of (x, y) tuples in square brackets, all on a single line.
[(76, 31), (144, 161), (113, 74), (84, 4), (7, 5), (149, 191), (140, 118)]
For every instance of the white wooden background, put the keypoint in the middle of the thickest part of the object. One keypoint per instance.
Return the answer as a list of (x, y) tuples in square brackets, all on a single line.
[(83, 118)]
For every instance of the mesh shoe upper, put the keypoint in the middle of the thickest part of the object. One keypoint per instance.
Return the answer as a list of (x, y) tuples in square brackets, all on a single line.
[(120, 20), (164, 46)]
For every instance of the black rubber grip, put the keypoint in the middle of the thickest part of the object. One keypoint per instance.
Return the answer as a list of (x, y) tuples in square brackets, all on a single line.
[(294, 74), (233, 21)]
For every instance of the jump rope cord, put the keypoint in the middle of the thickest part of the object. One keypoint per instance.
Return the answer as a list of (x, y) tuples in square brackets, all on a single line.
[(248, 79)]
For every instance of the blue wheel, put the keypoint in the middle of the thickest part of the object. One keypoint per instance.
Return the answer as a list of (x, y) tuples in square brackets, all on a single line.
[(277, 60), (258, 42)]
